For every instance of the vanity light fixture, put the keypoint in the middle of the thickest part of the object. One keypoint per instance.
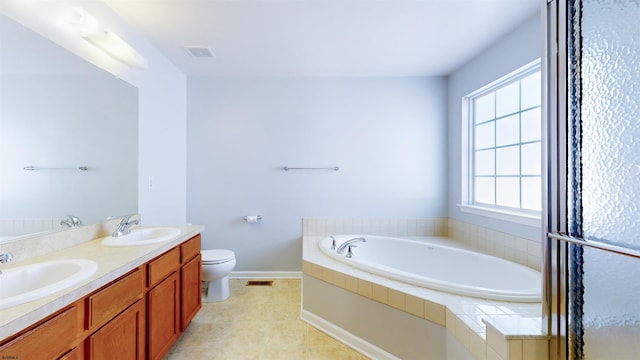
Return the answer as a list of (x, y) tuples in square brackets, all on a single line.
[(106, 40)]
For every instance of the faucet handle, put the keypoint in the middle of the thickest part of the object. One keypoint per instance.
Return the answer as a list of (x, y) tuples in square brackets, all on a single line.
[(333, 243), (125, 219), (349, 252)]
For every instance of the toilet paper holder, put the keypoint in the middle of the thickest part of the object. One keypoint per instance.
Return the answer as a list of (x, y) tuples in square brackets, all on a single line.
[(252, 218)]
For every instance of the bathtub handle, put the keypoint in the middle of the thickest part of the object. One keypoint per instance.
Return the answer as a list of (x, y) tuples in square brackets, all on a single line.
[(349, 252), (333, 243)]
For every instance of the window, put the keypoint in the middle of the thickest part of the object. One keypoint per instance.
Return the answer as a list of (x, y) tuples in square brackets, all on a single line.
[(503, 146)]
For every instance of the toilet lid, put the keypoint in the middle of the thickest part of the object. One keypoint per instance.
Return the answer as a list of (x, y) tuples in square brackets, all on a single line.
[(217, 256)]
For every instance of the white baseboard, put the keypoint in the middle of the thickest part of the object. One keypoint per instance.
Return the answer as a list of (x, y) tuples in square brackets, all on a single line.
[(346, 337), (265, 275)]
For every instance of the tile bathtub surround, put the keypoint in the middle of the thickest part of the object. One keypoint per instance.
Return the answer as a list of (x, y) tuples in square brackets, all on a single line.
[(513, 248), (463, 317), (516, 340), (377, 226), (257, 322)]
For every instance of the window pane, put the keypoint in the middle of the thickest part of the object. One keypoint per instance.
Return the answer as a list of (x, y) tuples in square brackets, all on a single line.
[(484, 162), (484, 136), (506, 142), (484, 190), (484, 108), (508, 130), (531, 125), (530, 87), (508, 99), (508, 160), (532, 193), (508, 191), (531, 159)]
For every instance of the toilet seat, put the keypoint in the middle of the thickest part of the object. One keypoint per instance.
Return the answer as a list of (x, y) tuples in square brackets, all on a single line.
[(216, 256)]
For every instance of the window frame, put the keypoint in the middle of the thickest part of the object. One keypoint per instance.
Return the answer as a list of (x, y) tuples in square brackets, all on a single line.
[(468, 205)]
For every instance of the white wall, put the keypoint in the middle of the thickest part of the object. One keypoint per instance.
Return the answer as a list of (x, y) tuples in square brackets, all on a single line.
[(161, 94), (388, 135), (520, 47)]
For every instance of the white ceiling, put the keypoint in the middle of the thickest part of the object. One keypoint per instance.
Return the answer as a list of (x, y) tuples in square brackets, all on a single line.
[(324, 37)]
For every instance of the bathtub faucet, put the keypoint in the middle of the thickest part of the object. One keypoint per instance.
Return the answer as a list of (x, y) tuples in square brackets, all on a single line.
[(343, 247)]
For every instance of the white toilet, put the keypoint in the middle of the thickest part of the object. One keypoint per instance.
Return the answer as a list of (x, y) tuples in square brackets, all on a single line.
[(216, 266)]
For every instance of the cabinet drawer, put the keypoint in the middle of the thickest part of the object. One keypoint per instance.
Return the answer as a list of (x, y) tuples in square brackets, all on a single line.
[(190, 248), (108, 302), (163, 266), (49, 340)]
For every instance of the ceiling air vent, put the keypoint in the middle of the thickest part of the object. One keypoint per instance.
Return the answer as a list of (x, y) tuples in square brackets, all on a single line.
[(200, 52)]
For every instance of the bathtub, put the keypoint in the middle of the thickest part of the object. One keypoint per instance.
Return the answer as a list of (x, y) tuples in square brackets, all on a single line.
[(432, 265)]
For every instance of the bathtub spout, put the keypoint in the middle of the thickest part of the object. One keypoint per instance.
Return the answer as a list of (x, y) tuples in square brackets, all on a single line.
[(343, 247)]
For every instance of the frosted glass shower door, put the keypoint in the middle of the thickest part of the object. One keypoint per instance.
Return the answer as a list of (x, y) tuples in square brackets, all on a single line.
[(610, 176)]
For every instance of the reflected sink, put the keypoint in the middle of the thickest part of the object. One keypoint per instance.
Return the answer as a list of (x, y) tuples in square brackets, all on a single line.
[(142, 236), (26, 283)]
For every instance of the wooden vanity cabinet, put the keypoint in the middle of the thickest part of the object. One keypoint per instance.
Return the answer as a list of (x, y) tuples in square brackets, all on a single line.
[(137, 316), (174, 295)]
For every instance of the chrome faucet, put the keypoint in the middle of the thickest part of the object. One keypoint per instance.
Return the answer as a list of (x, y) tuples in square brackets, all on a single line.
[(71, 221), (5, 258), (124, 226), (343, 247)]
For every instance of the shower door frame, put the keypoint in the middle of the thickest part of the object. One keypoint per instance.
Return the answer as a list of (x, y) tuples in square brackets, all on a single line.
[(562, 252), (555, 252)]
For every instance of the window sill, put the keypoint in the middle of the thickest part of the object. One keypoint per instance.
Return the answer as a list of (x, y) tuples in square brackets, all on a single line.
[(506, 215)]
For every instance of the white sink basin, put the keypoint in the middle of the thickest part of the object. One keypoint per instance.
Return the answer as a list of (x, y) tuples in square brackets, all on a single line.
[(142, 236), (26, 283)]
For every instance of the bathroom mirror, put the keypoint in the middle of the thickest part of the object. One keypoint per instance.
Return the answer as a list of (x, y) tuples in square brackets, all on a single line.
[(68, 136)]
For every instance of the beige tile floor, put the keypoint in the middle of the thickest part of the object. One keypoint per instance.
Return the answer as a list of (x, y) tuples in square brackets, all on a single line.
[(257, 322)]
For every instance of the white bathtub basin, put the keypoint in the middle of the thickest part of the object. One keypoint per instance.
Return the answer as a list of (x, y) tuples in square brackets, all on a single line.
[(26, 283), (431, 265), (142, 236)]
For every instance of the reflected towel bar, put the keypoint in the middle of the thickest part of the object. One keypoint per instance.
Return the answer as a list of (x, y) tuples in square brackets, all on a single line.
[(32, 168), (334, 168)]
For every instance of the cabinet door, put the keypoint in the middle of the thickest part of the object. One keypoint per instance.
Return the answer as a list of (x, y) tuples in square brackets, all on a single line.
[(191, 283), (121, 338), (163, 316)]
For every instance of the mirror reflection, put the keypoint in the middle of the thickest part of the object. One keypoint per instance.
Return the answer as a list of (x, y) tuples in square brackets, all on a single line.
[(68, 137)]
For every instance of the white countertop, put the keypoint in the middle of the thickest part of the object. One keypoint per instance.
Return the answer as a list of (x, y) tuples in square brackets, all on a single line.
[(113, 262)]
